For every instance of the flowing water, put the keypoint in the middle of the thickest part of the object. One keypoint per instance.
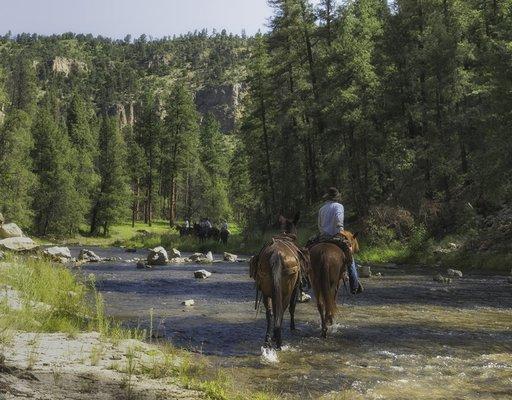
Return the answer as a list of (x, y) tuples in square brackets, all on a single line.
[(405, 337)]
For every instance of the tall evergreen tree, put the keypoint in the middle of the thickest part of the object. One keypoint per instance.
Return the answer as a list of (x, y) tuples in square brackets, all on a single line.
[(180, 140), (16, 178), (56, 202), (112, 197)]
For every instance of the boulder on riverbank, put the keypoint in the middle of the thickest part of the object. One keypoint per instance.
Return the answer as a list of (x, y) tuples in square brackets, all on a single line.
[(230, 257), (10, 230), (158, 256), (18, 244), (174, 253), (61, 254), (201, 258)]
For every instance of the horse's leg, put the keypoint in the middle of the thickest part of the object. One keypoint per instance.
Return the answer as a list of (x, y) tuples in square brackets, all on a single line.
[(293, 303), (268, 314), (320, 307)]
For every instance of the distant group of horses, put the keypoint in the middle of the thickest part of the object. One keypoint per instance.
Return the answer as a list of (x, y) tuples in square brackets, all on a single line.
[(203, 233), (281, 267)]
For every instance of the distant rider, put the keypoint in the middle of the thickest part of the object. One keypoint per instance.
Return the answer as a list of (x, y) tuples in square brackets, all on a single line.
[(331, 223)]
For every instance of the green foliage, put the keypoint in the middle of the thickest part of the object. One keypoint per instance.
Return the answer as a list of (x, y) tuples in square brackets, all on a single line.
[(57, 205), (111, 199), (16, 177)]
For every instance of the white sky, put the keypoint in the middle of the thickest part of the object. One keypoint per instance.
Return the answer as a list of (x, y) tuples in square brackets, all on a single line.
[(116, 18)]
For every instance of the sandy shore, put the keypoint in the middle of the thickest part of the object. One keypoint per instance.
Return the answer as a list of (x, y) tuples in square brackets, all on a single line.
[(54, 366)]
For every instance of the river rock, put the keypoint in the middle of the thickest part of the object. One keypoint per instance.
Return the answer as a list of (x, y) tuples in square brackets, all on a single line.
[(158, 256), (89, 256), (209, 256), (196, 256), (304, 297), (454, 273), (58, 253), (18, 244), (440, 278), (188, 303), (230, 257), (202, 274), (10, 231), (174, 253), (364, 271)]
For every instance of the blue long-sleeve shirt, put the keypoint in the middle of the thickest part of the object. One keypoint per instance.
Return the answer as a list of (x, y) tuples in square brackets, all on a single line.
[(330, 218)]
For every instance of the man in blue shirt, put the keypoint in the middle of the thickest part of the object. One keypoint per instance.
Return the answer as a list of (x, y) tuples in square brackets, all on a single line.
[(331, 223)]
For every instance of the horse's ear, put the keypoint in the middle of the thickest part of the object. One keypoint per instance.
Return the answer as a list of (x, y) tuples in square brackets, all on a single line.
[(355, 235), (281, 220), (296, 218)]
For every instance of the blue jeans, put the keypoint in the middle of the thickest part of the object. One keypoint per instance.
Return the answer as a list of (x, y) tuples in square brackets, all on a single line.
[(353, 276)]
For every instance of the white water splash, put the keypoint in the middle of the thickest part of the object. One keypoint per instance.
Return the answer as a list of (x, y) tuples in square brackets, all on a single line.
[(269, 356)]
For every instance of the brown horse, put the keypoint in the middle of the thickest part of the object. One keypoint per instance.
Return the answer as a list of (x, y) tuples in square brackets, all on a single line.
[(277, 271), (328, 267)]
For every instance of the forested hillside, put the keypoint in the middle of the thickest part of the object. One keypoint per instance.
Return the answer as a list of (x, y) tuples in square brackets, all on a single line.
[(406, 107), (95, 131)]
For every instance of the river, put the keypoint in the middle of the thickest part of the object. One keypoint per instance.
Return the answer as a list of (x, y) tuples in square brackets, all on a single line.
[(404, 337)]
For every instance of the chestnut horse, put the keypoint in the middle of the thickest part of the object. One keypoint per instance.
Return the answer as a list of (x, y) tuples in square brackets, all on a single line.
[(277, 272), (328, 267)]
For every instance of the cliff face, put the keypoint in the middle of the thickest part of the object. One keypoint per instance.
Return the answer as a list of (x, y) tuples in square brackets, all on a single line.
[(222, 101)]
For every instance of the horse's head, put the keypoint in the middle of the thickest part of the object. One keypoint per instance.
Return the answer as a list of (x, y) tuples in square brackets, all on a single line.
[(352, 238), (289, 225)]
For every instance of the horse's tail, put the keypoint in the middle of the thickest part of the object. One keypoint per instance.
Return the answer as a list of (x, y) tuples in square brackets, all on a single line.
[(277, 300), (329, 296)]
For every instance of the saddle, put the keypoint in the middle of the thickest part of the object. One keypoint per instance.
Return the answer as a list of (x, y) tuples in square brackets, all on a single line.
[(289, 241), (339, 240)]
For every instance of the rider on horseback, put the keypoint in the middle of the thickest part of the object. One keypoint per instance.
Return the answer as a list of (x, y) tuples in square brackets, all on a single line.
[(331, 226)]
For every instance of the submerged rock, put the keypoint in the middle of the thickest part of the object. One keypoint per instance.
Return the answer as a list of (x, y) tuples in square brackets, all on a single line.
[(18, 244), (188, 303), (158, 256), (202, 274), (89, 256), (440, 278), (230, 257), (454, 273), (304, 297), (10, 231)]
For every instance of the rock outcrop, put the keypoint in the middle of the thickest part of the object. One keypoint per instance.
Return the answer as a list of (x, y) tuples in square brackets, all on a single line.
[(222, 101), (65, 65)]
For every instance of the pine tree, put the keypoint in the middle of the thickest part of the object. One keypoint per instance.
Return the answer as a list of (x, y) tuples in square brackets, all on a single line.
[(56, 202), (179, 142), (16, 178), (112, 198), (83, 136), (215, 161), (22, 83)]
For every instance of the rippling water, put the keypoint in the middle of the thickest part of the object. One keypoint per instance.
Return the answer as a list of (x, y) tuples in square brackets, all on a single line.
[(404, 337)]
